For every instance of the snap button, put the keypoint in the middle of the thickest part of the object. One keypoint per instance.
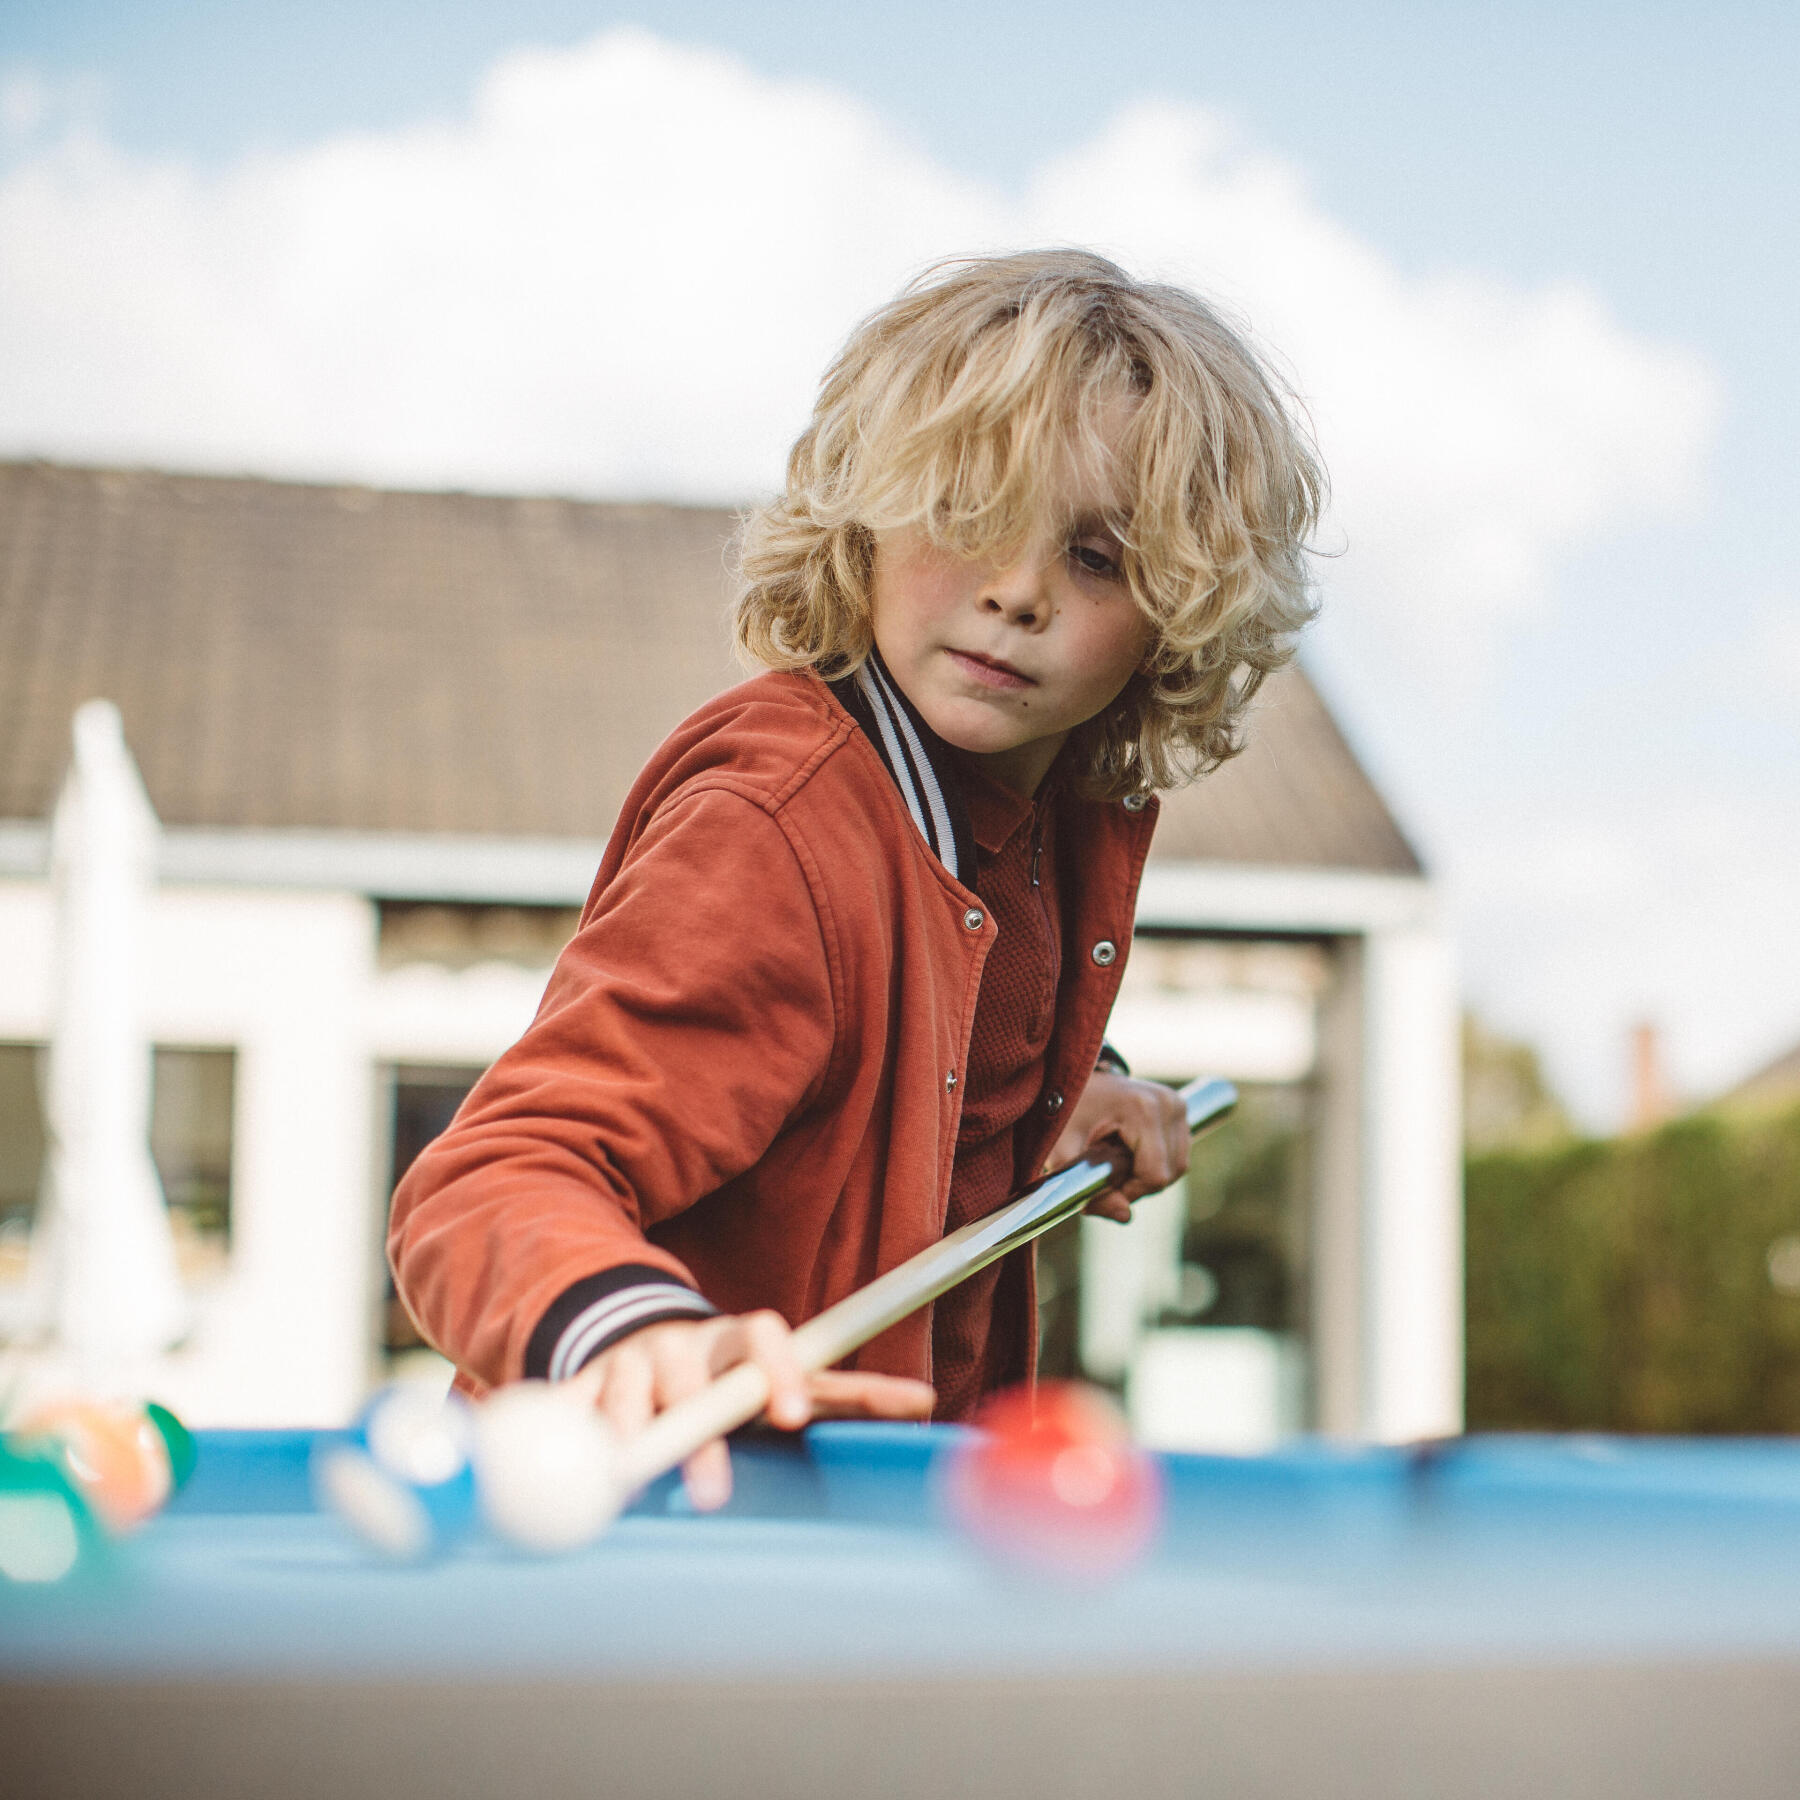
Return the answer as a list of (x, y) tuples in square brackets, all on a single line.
[(1053, 1102), (1135, 802), (950, 1082), (1105, 953), (974, 918)]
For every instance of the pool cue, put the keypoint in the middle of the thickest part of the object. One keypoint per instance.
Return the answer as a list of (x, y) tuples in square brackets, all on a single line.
[(737, 1396)]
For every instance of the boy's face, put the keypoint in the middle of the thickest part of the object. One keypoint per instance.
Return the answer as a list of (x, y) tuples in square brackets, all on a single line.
[(1005, 661)]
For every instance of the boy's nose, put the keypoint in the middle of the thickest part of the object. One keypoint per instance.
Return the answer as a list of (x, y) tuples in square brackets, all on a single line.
[(1020, 592)]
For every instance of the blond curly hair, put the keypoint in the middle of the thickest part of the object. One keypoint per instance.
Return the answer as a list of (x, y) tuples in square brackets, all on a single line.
[(947, 411)]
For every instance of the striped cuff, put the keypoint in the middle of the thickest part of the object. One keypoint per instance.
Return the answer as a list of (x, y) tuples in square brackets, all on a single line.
[(597, 1311)]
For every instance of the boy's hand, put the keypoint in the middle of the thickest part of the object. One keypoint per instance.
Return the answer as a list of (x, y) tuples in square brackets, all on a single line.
[(649, 1371), (1148, 1118)]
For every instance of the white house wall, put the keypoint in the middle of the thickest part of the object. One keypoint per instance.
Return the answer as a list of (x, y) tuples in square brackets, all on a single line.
[(282, 977), (282, 1337), (1296, 901), (1242, 1036), (1412, 1183), (1387, 1224), (27, 959), (1338, 1275), (399, 865), (425, 1014), (287, 976)]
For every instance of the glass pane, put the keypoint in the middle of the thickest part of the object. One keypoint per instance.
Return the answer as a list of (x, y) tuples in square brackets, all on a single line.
[(1243, 1248), (190, 1137), (425, 1101), (1059, 1302), (1215, 1268), (460, 936), (21, 1151)]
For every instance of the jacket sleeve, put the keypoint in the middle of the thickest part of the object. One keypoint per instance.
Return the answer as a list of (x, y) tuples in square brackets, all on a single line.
[(690, 1017)]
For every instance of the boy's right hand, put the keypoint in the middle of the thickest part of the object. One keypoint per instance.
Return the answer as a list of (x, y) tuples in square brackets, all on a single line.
[(649, 1371)]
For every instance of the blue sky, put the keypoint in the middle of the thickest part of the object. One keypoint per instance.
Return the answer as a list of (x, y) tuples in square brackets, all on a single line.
[(1606, 770)]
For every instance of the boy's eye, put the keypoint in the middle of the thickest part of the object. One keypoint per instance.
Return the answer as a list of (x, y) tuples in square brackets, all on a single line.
[(1095, 559)]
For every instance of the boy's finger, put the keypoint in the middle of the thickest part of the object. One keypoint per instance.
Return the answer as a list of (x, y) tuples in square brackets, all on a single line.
[(1113, 1204), (1160, 1145), (589, 1381), (707, 1476), (1160, 1161), (627, 1394), (846, 1394), (1067, 1149), (769, 1344), (682, 1369), (1174, 1126), (1181, 1143)]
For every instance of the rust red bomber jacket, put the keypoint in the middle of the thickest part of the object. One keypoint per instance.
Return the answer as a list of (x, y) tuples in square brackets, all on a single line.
[(745, 1070)]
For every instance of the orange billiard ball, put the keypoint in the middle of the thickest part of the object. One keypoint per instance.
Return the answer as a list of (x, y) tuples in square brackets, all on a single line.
[(112, 1451)]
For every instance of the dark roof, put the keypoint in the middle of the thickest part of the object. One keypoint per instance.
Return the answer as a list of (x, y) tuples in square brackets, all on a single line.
[(1296, 794), (346, 658)]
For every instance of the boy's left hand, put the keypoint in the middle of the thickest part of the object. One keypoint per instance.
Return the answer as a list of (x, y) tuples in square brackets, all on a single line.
[(1148, 1118)]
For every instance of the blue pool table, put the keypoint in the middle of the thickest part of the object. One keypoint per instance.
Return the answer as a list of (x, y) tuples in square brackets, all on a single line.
[(1486, 1617)]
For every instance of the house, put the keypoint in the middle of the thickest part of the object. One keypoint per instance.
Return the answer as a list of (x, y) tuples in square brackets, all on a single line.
[(1775, 1087), (386, 735)]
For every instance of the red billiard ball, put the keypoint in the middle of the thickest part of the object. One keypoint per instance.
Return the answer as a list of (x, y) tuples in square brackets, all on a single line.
[(114, 1451), (1051, 1481)]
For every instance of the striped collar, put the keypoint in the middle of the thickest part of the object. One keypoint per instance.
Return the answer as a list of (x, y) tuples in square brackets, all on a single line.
[(919, 760)]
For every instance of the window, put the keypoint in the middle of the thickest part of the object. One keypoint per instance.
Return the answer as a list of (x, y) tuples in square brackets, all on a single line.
[(1198, 1311), (21, 1152), (192, 1096), (426, 1097), (460, 936), (1244, 1248)]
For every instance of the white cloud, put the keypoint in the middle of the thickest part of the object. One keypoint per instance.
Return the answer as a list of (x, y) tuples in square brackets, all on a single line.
[(1473, 431), (620, 274), (1774, 657), (623, 271), (25, 102)]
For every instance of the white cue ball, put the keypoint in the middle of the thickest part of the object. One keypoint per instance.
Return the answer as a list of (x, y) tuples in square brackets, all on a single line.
[(546, 1467), (386, 1514)]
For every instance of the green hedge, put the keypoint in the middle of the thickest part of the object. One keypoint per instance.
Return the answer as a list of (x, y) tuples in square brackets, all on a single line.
[(1625, 1285)]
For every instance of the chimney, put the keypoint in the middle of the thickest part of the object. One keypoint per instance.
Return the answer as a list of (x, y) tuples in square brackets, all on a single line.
[(1651, 1101)]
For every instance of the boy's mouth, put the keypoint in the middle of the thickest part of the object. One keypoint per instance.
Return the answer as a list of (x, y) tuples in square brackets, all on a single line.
[(990, 671)]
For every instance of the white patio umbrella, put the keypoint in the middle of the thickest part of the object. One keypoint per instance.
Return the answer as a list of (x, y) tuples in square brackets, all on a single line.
[(104, 1270)]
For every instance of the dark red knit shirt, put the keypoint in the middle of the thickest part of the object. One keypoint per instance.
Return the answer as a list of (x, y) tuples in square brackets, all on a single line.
[(979, 1328)]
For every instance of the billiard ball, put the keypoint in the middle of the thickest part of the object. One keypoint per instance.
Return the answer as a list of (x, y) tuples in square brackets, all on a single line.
[(47, 1530), (1050, 1481), (546, 1466), (401, 1479), (178, 1442), (121, 1457)]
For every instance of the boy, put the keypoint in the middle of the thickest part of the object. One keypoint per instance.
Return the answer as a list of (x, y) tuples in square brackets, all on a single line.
[(841, 981)]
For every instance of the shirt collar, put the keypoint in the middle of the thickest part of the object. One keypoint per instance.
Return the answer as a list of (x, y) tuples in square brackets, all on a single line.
[(995, 810)]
